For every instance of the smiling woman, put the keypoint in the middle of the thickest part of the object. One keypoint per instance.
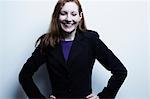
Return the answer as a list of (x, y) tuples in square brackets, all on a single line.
[(69, 50), (69, 17)]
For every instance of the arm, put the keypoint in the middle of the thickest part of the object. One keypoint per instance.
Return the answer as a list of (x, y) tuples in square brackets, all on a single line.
[(106, 57), (25, 76)]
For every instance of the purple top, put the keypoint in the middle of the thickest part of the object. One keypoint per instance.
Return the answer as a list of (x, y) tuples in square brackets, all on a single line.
[(66, 46)]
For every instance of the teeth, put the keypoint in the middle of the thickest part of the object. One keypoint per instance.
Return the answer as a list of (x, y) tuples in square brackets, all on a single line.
[(68, 25)]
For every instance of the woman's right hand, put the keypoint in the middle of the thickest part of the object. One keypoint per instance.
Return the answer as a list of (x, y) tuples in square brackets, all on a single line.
[(52, 97)]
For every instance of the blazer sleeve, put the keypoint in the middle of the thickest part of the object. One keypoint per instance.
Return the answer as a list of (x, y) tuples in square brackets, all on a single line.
[(28, 70), (106, 57)]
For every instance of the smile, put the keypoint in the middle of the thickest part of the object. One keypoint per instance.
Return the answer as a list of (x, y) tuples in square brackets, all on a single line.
[(68, 25)]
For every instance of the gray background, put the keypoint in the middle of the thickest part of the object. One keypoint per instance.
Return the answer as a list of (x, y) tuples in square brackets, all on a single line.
[(121, 24)]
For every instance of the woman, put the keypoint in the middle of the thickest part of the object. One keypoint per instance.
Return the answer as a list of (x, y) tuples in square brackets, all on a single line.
[(70, 50)]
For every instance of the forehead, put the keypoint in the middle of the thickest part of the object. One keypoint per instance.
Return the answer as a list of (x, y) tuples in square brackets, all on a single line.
[(70, 6)]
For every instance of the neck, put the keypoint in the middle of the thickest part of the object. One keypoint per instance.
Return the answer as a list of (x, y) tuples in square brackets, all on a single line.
[(70, 36)]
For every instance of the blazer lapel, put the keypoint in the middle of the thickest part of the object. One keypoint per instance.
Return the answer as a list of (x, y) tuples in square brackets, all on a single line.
[(76, 48), (58, 54)]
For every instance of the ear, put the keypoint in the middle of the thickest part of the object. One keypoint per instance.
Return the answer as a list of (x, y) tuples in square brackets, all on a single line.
[(81, 15)]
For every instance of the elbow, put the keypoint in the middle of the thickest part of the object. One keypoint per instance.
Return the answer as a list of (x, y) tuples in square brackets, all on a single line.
[(120, 73), (125, 72), (20, 77), (24, 77)]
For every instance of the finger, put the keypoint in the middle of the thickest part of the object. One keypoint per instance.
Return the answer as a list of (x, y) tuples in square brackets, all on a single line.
[(93, 97), (89, 96), (97, 97), (53, 97)]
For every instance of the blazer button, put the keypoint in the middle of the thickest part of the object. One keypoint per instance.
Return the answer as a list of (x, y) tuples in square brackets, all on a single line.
[(69, 90), (69, 76)]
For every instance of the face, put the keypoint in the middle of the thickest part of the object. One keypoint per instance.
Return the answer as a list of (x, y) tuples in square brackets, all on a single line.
[(69, 17)]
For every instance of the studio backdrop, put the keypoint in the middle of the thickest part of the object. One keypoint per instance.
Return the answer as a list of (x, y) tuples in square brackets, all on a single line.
[(121, 24)]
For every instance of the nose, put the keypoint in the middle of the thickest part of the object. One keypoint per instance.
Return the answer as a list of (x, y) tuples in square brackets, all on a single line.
[(69, 18)]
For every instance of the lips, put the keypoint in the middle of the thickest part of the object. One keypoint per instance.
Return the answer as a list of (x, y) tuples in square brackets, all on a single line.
[(68, 24)]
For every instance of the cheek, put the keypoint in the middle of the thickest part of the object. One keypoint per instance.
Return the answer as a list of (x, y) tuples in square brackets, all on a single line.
[(61, 18), (77, 19)]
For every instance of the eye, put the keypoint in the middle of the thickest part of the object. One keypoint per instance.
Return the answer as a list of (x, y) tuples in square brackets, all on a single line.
[(62, 13), (74, 14)]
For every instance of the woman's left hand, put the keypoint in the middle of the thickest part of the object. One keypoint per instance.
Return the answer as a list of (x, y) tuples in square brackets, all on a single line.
[(92, 96)]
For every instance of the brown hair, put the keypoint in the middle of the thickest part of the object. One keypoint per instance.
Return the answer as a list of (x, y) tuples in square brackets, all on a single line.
[(53, 36)]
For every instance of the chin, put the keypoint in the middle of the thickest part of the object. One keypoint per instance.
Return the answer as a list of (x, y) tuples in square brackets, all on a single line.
[(68, 30)]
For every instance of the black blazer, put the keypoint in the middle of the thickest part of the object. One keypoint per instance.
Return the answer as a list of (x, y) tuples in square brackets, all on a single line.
[(72, 78)]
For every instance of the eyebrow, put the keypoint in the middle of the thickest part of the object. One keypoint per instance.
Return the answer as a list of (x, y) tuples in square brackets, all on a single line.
[(71, 12)]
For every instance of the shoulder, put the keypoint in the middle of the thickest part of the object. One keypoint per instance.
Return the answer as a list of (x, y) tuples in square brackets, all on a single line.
[(91, 34)]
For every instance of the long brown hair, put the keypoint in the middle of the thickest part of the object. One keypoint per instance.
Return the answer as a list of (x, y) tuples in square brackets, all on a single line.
[(53, 36)]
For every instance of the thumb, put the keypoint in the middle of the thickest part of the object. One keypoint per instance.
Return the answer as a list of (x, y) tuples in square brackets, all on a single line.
[(52, 97)]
